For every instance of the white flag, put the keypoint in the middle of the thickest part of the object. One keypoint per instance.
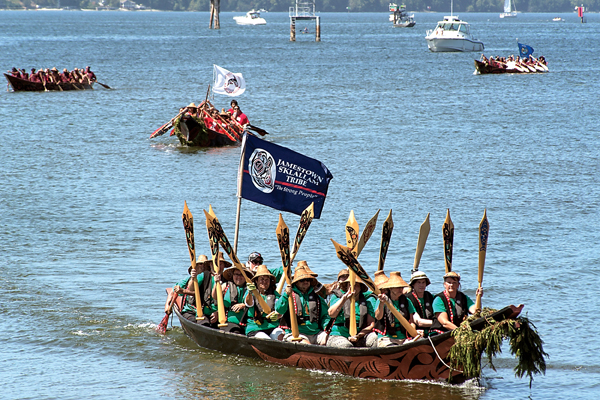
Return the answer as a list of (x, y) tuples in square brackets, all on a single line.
[(228, 83)]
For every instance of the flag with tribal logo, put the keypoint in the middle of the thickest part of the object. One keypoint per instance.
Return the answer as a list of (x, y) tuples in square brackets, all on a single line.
[(228, 83)]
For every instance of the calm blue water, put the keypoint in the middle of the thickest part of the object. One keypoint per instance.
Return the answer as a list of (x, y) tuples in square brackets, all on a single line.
[(90, 208)]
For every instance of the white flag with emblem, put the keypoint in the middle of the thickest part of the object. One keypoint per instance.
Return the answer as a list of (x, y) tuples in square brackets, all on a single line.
[(228, 83)]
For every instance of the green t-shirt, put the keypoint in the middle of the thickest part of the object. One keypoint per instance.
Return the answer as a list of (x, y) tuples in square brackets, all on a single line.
[(339, 328), (254, 325), (206, 309), (396, 322), (277, 273), (307, 327), (439, 307)]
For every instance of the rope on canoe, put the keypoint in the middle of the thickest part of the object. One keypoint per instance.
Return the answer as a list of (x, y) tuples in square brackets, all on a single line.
[(440, 358)]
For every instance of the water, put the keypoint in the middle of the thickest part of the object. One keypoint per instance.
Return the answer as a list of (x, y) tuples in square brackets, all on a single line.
[(91, 208)]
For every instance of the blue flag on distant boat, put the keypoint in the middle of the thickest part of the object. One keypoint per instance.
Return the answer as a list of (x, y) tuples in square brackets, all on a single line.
[(525, 50), (281, 178)]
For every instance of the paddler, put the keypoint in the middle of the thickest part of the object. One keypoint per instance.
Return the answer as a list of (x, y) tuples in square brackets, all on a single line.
[(234, 296), (389, 330), (311, 309), (237, 114), (185, 287), (422, 302), (260, 324), (339, 310), (451, 307), (255, 260)]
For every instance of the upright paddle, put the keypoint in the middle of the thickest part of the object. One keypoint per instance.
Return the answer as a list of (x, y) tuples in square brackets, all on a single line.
[(366, 234), (305, 220), (352, 242), (188, 225), (214, 250), (214, 224), (448, 234), (386, 235), (283, 239), (484, 230), (347, 257), (423, 234)]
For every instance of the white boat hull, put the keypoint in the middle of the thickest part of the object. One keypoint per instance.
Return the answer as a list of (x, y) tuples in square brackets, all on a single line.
[(509, 15), (250, 21), (438, 45)]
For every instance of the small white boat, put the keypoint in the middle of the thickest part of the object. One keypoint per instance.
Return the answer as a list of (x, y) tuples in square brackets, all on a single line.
[(509, 10), (400, 17), (452, 34), (251, 18), (557, 19)]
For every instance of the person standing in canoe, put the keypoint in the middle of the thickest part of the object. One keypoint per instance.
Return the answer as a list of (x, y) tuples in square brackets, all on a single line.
[(389, 330), (234, 299), (422, 302), (260, 324), (237, 114), (339, 310), (311, 309), (451, 307)]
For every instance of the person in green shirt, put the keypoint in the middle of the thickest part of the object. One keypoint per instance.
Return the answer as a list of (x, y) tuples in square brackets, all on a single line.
[(389, 329), (185, 287), (255, 259), (339, 310), (234, 296), (310, 308), (260, 324)]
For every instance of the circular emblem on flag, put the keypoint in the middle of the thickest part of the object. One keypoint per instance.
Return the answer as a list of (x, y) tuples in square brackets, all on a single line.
[(261, 167), (523, 50), (231, 83)]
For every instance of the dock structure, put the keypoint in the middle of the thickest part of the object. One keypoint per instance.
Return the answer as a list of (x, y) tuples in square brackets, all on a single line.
[(304, 10)]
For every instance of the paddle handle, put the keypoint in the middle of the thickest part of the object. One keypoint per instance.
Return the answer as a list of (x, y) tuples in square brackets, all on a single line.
[(199, 311), (353, 331), (293, 320), (409, 328), (220, 305), (478, 301)]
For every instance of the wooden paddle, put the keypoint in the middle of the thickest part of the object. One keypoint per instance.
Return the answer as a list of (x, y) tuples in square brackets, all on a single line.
[(214, 250), (103, 85), (188, 225), (448, 234), (484, 230), (214, 224), (283, 239), (165, 128), (366, 234), (256, 129), (347, 257), (423, 234), (305, 220), (386, 235), (162, 327), (352, 242)]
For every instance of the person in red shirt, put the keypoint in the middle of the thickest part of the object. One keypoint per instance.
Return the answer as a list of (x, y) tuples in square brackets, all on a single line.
[(237, 114)]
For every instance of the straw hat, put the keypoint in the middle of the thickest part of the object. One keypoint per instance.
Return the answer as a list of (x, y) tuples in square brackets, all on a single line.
[(228, 273), (346, 283), (192, 105), (380, 279), (395, 281), (304, 264), (302, 273), (416, 275), (222, 262), (263, 271), (201, 263), (343, 272), (452, 274)]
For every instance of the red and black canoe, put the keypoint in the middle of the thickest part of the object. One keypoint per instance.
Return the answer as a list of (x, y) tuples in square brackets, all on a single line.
[(510, 68), (422, 359), (23, 85), (192, 131)]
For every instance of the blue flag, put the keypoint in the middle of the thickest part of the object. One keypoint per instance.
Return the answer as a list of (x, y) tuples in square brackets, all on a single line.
[(525, 50), (278, 177)]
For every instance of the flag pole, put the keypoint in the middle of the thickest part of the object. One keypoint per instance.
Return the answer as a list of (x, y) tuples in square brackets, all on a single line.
[(239, 193)]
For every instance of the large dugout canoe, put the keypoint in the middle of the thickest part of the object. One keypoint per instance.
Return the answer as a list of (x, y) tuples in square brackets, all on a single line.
[(23, 85), (417, 360), (192, 131)]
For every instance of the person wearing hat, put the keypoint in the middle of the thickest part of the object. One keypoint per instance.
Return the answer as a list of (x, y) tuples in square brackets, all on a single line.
[(185, 288), (255, 259), (234, 299), (311, 309), (341, 277), (339, 311), (260, 324), (65, 77), (389, 329), (451, 307), (422, 302)]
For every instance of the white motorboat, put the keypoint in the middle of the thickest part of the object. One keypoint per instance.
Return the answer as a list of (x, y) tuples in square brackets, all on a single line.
[(400, 17), (452, 34), (557, 19), (509, 10), (251, 18)]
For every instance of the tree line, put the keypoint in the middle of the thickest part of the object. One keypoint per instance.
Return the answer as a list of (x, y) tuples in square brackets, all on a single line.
[(325, 5)]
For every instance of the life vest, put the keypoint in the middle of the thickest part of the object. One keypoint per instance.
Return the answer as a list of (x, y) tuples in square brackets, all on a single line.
[(426, 313), (258, 311), (363, 310), (461, 311), (387, 325), (204, 290), (314, 310), (234, 295)]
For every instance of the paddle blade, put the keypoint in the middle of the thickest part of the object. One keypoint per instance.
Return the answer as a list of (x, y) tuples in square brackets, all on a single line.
[(423, 235), (366, 234), (188, 225), (256, 129), (484, 230), (386, 235), (448, 234), (283, 239), (305, 220), (351, 231), (214, 243), (347, 257), (162, 130), (162, 327)]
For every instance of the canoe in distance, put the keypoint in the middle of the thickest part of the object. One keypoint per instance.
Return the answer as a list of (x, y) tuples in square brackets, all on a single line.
[(22, 85)]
